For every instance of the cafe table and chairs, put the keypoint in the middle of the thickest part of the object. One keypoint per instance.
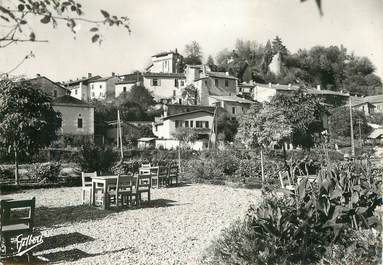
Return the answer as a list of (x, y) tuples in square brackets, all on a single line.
[(101, 185)]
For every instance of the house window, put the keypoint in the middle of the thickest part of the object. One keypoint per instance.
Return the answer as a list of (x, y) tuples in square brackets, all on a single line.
[(198, 124), (124, 89), (79, 123), (186, 124), (55, 93), (216, 82), (75, 91), (177, 124), (233, 110), (226, 82), (155, 82), (206, 124), (100, 86), (180, 101), (205, 82), (100, 94), (92, 86), (93, 94), (191, 124), (182, 83), (240, 89), (176, 82), (174, 93)]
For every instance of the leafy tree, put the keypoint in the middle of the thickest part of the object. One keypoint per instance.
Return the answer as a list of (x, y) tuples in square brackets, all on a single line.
[(138, 94), (210, 63), (278, 47), (340, 122), (185, 136), (193, 53), (375, 118), (190, 94), (267, 58), (19, 17), (27, 119), (226, 127), (303, 112)]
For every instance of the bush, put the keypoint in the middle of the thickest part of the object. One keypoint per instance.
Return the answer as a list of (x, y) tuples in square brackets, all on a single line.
[(316, 222), (203, 171), (93, 158), (6, 174), (44, 172)]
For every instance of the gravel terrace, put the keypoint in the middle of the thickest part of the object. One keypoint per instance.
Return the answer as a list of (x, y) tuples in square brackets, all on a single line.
[(176, 227)]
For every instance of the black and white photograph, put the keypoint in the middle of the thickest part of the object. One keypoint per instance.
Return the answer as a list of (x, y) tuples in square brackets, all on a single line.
[(191, 132)]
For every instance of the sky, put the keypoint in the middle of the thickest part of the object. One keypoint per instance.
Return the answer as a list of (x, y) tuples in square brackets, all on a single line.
[(163, 25)]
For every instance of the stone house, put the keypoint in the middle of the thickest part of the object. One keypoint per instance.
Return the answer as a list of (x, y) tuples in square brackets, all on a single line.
[(103, 88), (80, 88), (77, 119), (51, 88), (201, 121)]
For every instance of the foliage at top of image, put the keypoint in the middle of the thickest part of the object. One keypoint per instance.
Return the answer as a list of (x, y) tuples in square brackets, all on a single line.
[(19, 17)]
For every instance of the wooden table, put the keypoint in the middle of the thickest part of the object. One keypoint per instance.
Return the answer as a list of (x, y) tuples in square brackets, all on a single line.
[(103, 181)]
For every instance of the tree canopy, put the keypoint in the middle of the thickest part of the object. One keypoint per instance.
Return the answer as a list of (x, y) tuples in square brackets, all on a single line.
[(333, 67), (138, 94), (193, 53), (293, 116), (340, 123), (27, 119)]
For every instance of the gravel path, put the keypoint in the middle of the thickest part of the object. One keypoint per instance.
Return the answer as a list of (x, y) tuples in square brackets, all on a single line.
[(176, 227)]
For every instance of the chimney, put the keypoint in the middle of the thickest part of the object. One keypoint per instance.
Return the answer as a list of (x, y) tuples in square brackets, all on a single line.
[(176, 51), (38, 75), (89, 75), (113, 73), (318, 87)]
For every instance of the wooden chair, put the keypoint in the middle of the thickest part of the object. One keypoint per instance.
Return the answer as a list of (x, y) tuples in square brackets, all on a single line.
[(163, 175), (154, 177), (14, 222), (87, 185), (125, 184), (142, 186), (173, 174)]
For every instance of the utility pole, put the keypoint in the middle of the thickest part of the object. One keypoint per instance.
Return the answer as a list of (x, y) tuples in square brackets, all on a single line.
[(351, 130), (120, 133), (359, 121)]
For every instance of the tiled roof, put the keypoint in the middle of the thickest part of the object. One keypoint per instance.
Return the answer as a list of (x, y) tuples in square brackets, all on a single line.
[(37, 80), (70, 101), (376, 133), (164, 75), (164, 53), (126, 82), (220, 75), (187, 113), (87, 79), (309, 90), (101, 79), (374, 99), (233, 99), (326, 92)]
